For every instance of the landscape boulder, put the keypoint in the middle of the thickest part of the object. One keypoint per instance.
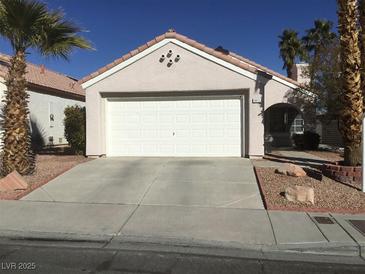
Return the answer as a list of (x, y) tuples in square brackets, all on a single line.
[(291, 170), (301, 194), (13, 181)]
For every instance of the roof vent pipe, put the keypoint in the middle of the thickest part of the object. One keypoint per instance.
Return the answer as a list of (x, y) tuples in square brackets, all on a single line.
[(169, 53), (43, 69)]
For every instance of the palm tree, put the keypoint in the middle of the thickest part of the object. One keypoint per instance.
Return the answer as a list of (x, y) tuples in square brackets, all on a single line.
[(351, 98), (318, 41), (290, 49), (318, 37), (362, 47), (28, 24)]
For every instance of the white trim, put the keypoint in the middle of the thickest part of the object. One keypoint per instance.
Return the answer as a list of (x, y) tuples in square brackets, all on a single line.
[(124, 64), (242, 132), (219, 61), (282, 81), (174, 97), (199, 52)]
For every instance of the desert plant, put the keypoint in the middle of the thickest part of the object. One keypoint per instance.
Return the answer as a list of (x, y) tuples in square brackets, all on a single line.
[(362, 47), (298, 141), (28, 24), (351, 96), (75, 128), (318, 37), (291, 48)]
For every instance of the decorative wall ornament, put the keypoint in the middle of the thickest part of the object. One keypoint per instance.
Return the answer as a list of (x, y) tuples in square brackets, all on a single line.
[(171, 59)]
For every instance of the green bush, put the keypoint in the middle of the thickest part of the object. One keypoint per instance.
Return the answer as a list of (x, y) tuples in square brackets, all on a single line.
[(75, 128), (307, 140), (298, 140)]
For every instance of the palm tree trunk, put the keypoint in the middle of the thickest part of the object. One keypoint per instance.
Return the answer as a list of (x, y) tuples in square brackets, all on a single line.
[(362, 46), (351, 98), (17, 154), (289, 71)]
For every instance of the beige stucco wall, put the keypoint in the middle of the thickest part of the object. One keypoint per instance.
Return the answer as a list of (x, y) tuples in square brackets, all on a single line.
[(275, 93), (191, 73)]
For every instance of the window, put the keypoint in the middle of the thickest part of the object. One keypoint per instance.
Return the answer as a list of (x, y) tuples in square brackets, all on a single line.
[(298, 125)]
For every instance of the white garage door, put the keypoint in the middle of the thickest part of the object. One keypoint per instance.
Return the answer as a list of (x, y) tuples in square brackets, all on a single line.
[(174, 127)]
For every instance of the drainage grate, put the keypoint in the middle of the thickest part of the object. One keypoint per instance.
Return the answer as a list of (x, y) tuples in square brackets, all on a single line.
[(359, 225), (324, 220)]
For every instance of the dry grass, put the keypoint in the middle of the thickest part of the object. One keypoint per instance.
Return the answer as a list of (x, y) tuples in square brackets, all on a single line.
[(329, 195)]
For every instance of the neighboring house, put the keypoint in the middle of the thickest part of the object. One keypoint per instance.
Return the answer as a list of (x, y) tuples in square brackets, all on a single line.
[(176, 97), (329, 132), (327, 129), (49, 94)]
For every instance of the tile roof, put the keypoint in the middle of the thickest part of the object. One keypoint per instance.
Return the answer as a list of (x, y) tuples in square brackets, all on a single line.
[(219, 52), (43, 77)]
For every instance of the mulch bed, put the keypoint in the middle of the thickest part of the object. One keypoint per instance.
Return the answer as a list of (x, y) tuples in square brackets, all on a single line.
[(329, 195), (48, 167)]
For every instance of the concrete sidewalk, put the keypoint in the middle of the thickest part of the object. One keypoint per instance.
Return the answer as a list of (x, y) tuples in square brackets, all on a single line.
[(119, 226)]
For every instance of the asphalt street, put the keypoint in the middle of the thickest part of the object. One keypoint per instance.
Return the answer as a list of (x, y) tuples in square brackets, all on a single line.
[(56, 259)]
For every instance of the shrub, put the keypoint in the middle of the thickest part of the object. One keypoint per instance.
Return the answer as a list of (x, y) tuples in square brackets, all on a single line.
[(298, 140), (75, 128), (307, 140)]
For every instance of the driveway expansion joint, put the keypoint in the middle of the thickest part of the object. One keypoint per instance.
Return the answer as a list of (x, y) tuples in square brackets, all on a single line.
[(272, 227)]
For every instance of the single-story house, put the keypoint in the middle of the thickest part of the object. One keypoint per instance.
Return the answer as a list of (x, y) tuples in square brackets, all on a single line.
[(50, 93), (174, 96)]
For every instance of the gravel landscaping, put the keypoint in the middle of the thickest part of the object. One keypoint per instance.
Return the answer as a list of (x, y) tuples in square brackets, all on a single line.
[(329, 195), (47, 168)]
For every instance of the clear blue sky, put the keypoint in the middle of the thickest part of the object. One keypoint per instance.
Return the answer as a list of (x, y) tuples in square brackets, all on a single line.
[(247, 27)]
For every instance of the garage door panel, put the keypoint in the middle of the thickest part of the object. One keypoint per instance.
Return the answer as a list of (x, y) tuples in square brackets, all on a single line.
[(160, 127)]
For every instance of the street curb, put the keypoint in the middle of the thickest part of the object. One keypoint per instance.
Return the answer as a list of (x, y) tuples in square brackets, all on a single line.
[(50, 238), (298, 252)]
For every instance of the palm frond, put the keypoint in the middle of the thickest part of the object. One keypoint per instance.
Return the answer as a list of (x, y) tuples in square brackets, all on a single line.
[(290, 48), (29, 24), (319, 36), (59, 37)]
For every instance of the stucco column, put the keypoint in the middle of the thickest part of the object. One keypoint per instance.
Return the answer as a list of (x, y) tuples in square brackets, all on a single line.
[(93, 124), (256, 126)]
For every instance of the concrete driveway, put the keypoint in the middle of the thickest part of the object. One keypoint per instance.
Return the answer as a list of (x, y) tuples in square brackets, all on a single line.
[(204, 182)]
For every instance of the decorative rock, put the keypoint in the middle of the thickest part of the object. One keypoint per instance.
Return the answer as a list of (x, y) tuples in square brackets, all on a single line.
[(13, 181), (300, 194), (291, 170)]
